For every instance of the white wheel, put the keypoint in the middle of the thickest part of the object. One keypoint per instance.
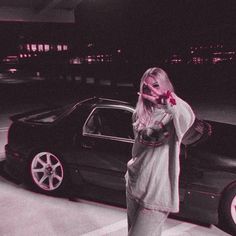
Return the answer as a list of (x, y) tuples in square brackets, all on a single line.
[(227, 211), (233, 209), (47, 171)]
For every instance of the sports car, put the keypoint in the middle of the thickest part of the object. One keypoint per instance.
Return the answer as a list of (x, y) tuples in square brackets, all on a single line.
[(90, 142)]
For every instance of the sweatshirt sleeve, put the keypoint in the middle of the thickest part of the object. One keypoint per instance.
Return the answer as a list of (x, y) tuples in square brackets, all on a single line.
[(183, 116)]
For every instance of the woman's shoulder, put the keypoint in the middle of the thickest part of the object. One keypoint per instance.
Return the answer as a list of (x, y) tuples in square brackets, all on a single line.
[(180, 105), (179, 100)]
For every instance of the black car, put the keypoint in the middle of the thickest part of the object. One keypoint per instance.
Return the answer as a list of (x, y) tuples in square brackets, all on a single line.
[(90, 142)]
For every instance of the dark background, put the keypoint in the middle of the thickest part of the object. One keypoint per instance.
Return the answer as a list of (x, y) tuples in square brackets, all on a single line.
[(146, 33)]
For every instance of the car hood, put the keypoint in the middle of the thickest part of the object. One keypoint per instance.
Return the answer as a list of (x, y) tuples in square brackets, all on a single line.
[(218, 150)]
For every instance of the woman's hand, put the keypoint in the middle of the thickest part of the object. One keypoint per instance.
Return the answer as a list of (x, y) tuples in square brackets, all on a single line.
[(162, 100)]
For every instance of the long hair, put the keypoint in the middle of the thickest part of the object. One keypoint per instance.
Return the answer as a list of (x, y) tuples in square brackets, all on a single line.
[(143, 110)]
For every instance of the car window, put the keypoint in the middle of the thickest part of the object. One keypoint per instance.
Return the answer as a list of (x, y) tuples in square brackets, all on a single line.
[(110, 122)]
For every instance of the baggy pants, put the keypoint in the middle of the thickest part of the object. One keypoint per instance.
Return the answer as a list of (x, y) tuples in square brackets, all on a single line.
[(143, 221)]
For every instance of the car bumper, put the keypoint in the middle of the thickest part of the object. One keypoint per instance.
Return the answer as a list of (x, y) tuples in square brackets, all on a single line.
[(15, 164)]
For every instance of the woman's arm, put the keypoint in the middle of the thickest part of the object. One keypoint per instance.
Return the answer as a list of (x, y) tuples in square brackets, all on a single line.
[(183, 116)]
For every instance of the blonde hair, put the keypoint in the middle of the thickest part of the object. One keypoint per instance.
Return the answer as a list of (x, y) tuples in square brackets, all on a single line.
[(143, 110)]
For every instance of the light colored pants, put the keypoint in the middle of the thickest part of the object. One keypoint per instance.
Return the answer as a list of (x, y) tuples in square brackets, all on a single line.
[(143, 221)]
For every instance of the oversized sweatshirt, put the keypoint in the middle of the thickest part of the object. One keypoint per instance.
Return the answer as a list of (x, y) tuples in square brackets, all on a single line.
[(152, 176)]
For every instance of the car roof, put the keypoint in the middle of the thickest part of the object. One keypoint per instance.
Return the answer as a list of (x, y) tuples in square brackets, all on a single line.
[(95, 101)]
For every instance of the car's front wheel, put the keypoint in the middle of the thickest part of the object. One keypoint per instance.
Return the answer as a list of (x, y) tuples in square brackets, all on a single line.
[(47, 172), (228, 209)]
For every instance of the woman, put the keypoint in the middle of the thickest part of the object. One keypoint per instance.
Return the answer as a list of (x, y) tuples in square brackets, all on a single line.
[(160, 120)]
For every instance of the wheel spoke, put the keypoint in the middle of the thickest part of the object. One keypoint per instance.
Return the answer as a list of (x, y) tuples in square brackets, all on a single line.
[(56, 165), (42, 179), (49, 159), (58, 177), (233, 209), (51, 187), (41, 162), (38, 170)]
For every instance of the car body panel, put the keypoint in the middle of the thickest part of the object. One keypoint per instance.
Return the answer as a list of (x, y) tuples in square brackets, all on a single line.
[(102, 161)]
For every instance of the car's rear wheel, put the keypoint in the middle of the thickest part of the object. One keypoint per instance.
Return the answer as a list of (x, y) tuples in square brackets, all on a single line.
[(228, 209), (47, 172)]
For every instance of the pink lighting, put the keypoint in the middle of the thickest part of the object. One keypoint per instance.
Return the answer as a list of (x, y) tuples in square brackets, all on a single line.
[(40, 47), (12, 70), (59, 47), (34, 47), (216, 60), (46, 47), (90, 45), (76, 60), (197, 60), (175, 59)]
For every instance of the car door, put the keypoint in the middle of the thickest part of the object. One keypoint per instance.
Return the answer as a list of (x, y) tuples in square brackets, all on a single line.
[(104, 147), (184, 171), (190, 173)]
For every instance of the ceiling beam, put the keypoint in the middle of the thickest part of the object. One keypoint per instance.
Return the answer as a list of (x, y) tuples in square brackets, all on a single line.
[(29, 15), (47, 5)]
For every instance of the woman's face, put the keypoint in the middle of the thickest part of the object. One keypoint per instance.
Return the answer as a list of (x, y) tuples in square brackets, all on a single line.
[(155, 82)]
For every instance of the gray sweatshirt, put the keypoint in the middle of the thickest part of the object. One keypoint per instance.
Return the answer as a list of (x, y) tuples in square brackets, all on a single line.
[(152, 176)]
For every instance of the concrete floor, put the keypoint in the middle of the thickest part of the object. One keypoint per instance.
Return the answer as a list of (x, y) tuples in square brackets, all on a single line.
[(24, 212)]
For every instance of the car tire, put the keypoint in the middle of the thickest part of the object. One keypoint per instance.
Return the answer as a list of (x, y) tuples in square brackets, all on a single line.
[(47, 173), (227, 211)]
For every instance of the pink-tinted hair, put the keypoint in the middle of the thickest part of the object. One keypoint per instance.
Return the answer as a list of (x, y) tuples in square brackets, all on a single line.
[(143, 110)]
